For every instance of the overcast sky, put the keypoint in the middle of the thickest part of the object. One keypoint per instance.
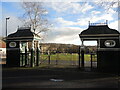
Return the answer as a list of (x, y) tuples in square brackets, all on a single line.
[(68, 19)]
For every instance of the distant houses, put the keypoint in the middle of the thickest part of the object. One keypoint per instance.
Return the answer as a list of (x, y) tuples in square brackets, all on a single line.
[(56, 48), (2, 47), (2, 51), (64, 48)]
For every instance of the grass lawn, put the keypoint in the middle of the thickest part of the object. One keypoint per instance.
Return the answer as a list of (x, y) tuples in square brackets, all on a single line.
[(66, 56)]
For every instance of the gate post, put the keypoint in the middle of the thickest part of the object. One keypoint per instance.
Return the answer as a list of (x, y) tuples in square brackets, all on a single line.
[(79, 58), (82, 55), (82, 58)]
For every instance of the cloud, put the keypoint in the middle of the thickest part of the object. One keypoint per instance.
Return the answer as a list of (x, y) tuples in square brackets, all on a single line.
[(86, 7), (84, 20), (102, 17), (115, 25), (70, 7), (63, 22), (95, 12), (80, 22), (66, 35)]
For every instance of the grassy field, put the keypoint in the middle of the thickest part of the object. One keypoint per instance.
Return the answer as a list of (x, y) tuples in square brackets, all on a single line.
[(64, 56)]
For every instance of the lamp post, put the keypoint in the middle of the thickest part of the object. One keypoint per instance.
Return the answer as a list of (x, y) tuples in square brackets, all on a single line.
[(6, 24)]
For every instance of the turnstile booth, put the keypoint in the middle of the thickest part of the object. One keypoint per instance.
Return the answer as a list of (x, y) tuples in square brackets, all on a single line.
[(108, 46), (22, 48)]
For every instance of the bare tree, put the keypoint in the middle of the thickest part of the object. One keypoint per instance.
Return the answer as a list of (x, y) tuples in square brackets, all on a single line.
[(106, 4), (109, 4), (35, 16)]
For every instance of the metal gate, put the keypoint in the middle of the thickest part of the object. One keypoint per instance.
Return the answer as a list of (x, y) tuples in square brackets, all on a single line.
[(59, 58)]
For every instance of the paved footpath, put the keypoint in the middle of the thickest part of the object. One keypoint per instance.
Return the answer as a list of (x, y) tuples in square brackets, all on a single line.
[(57, 78)]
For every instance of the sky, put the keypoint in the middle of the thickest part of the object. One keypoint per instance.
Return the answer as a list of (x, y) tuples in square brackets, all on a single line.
[(69, 19)]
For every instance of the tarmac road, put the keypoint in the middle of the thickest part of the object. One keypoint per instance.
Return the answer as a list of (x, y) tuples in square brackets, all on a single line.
[(70, 78)]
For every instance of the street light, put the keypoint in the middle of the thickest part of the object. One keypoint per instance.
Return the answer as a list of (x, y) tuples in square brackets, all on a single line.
[(6, 24)]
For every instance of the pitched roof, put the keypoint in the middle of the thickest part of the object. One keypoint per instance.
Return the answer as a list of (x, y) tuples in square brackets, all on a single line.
[(99, 31), (23, 34)]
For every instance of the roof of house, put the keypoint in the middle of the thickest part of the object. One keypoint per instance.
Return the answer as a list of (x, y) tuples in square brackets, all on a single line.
[(23, 34), (99, 31)]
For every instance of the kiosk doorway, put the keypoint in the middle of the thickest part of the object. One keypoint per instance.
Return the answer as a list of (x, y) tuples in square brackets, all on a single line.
[(90, 54)]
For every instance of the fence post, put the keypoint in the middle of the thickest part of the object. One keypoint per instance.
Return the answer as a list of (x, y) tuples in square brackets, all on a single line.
[(57, 58), (48, 57), (37, 57), (32, 58), (91, 60), (25, 56)]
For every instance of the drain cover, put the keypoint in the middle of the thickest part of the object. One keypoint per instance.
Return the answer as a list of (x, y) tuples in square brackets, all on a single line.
[(56, 80)]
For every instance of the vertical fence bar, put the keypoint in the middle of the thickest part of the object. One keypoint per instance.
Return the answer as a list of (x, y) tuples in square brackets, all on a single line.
[(32, 58), (25, 56), (28, 55), (57, 58), (91, 60), (48, 57), (22, 58), (37, 57)]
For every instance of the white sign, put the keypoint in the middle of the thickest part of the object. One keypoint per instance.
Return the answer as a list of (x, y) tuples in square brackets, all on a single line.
[(12, 44), (110, 43)]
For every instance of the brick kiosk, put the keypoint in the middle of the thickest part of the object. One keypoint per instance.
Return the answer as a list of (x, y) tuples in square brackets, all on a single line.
[(108, 46), (19, 44)]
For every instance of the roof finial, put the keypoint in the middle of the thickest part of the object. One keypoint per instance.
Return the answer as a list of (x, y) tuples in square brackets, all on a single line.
[(89, 23), (106, 22)]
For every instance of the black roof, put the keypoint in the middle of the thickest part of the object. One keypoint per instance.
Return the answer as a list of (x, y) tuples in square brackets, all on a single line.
[(22, 34), (98, 32), (101, 29)]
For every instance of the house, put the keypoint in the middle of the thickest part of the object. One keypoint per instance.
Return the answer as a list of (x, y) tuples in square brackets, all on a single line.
[(2, 52)]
